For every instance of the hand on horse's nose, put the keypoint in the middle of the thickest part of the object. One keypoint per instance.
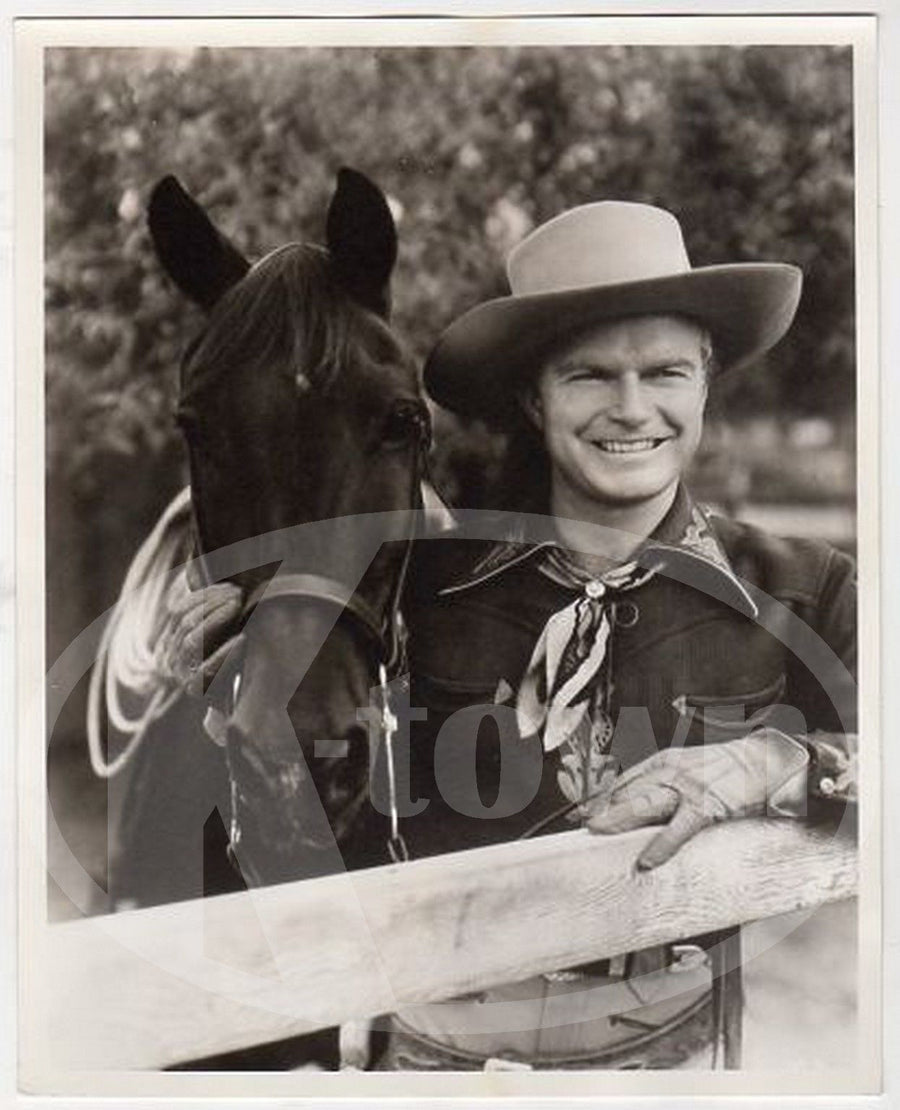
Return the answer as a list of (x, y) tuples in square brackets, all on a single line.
[(198, 633)]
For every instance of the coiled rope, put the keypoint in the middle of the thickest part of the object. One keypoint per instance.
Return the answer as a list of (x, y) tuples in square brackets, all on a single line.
[(126, 671)]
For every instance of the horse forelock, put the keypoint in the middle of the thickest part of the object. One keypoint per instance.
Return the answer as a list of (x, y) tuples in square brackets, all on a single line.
[(288, 321)]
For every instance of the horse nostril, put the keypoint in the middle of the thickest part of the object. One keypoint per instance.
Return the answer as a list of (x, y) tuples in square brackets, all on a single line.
[(254, 766)]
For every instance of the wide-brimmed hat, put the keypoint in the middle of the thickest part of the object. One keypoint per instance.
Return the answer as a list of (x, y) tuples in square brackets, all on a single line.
[(601, 262)]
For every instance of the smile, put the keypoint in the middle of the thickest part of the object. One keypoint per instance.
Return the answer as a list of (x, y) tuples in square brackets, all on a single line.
[(627, 446)]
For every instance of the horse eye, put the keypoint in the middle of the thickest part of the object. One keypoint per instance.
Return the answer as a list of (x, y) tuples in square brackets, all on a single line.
[(406, 423)]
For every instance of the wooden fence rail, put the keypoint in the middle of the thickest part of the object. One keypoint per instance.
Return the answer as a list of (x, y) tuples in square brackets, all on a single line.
[(154, 987)]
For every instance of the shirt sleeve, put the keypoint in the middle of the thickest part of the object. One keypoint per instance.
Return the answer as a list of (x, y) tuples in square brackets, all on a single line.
[(832, 775), (833, 770)]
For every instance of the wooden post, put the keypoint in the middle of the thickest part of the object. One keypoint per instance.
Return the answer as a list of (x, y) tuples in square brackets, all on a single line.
[(154, 987)]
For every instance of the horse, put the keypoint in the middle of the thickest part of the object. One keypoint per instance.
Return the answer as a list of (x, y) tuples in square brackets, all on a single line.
[(298, 404)]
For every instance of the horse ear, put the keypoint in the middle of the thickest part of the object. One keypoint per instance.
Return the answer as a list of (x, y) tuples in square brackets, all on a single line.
[(362, 240), (198, 258)]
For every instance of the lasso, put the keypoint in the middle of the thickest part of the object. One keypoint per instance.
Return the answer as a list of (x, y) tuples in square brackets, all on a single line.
[(127, 669)]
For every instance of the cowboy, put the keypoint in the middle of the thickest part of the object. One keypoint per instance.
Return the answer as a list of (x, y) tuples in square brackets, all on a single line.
[(644, 663)]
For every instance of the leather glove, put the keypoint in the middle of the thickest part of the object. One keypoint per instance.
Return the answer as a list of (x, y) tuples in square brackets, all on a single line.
[(687, 789), (200, 629)]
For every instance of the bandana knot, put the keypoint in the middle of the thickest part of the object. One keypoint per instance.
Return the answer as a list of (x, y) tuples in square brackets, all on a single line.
[(569, 660)]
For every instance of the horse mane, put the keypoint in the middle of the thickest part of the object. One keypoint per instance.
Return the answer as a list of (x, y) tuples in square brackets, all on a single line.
[(289, 311)]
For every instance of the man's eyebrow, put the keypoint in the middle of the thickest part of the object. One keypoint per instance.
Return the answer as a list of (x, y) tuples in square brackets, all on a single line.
[(574, 363), (670, 364), (662, 363)]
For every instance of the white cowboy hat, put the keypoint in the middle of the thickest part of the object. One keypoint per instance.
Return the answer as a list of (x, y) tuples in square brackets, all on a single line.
[(600, 262)]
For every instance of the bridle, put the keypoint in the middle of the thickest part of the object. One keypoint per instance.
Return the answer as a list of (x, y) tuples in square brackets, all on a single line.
[(386, 631), (383, 627)]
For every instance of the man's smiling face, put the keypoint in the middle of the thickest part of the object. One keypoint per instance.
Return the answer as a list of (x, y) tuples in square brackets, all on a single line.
[(621, 410)]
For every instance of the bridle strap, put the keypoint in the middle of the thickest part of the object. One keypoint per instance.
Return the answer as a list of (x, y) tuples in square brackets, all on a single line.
[(386, 629), (319, 587)]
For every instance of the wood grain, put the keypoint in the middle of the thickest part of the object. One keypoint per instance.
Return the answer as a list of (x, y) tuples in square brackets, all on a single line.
[(153, 987)]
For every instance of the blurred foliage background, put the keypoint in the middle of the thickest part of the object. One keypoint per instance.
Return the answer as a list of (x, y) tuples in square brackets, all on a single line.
[(751, 147)]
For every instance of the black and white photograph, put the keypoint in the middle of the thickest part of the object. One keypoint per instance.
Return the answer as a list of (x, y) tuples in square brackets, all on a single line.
[(453, 604)]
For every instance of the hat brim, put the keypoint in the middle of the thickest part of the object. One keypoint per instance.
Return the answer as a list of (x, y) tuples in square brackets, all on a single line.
[(489, 350)]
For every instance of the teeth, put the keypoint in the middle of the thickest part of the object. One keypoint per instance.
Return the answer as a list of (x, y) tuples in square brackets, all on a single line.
[(626, 446)]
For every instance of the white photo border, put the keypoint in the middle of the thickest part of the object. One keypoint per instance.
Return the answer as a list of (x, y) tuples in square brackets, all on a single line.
[(31, 38)]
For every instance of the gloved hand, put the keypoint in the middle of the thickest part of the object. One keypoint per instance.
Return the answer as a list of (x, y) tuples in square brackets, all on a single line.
[(687, 789), (199, 630)]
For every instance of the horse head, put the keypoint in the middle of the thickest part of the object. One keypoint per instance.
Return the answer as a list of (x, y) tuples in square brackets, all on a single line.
[(298, 405)]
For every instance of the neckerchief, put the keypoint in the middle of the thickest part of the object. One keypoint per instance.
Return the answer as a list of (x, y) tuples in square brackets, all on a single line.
[(566, 690), (570, 656)]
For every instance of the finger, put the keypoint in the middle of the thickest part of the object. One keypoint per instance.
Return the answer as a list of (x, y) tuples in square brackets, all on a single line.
[(180, 614), (197, 680), (660, 768), (213, 664), (181, 601), (194, 635), (217, 625), (645, 805), (686, 823), (650, 768)]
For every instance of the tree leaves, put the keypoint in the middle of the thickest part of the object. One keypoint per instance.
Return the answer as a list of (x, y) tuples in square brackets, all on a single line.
[(752, 147)]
